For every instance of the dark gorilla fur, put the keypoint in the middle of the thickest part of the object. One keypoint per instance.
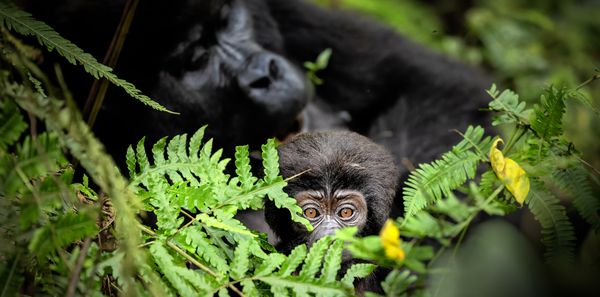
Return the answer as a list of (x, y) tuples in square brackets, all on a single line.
[(335, 160), (378, 83)]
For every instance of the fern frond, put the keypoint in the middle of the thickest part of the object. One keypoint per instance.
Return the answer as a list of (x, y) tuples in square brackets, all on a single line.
[(240, 263), (473, 140), (293, 260), (198, 240), (575, 182), (430, 182), (360, 270), (315, 258), (549, 114), (333, 262), (272, 262), (64, 230), (242, 168), (397, 282), (557, 232), (173, 272), (23, 23), (270, 160), (302, 287), (12, 124), (511, 109)]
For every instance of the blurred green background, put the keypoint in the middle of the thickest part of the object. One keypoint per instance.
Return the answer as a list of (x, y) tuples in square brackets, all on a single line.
[(525, 45)]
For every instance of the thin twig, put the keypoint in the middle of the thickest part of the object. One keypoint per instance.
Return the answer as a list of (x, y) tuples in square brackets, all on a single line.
[(98, 91), (77, 270)]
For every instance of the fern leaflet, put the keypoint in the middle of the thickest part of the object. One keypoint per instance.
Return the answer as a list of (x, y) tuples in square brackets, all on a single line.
[(23, 23), (557, 231)]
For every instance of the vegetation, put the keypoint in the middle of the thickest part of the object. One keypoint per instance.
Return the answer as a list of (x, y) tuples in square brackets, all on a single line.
[(68, 233)]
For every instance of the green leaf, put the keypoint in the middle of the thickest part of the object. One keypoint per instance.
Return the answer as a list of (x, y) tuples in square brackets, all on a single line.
[(360, 270), (510, 108), (575, 182), (23, 23), (557, 232), (242, 168), (548, 115), (240, 263), (315, 258), (397, 282), (293, 260), (272, 262), (333, 262), (169, 269), (63, 231), (12, 124), (270, 161)]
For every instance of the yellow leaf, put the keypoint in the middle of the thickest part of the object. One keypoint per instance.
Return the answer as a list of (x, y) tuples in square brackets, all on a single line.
[(510, 173), (390, 240)]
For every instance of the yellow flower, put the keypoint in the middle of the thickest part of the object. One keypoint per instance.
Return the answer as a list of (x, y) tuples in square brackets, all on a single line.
[(510, 173), (390, 240)]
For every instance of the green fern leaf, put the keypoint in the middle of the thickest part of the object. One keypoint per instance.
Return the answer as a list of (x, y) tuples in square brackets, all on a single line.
[(333, 262), (473, 140), (293, 261), (243, 169), (282, 200), (574, 181), (272, 262), (279, 290), (165, 262), (23, 23), (430, 182), (140, 154), (131, 161), (195, 143), (249, 289), (270, 161), (65, 230), (12, 124), (360, 270), (205, 248), (397, 282), (510, 108), (315, 258), (158, 151), (240, 263), (548, 115), (557, 232), (225, 222), (302, 286), (223, 293)]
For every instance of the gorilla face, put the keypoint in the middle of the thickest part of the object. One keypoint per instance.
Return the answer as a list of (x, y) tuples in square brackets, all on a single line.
[(220, 75)]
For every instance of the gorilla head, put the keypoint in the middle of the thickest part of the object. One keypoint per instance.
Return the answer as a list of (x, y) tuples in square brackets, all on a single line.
[(349, 181), (223, 75)]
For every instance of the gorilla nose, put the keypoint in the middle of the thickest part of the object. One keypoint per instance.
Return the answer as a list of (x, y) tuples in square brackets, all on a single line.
[(261, 71)]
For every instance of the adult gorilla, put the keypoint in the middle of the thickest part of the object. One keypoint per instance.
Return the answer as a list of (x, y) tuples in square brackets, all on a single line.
[(235, 65)]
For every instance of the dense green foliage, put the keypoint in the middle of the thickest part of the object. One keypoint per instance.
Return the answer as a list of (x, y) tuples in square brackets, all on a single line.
[(76, 229)]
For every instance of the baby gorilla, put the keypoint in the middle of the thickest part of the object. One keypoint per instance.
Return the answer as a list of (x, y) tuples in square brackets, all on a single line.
[(349, 181)]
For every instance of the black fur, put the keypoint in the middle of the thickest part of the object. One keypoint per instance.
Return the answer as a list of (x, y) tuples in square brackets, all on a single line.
[(377, 83), (336, 160)]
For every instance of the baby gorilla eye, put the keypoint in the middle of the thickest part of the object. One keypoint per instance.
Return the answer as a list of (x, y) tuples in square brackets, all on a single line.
[(311, 213), (346, 213)]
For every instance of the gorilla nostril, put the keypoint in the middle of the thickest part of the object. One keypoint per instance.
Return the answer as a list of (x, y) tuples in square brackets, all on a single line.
[(273, 69), (261, 83)]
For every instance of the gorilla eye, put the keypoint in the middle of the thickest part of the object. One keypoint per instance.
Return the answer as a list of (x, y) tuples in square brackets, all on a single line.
[(311, 213), (346, 213)]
